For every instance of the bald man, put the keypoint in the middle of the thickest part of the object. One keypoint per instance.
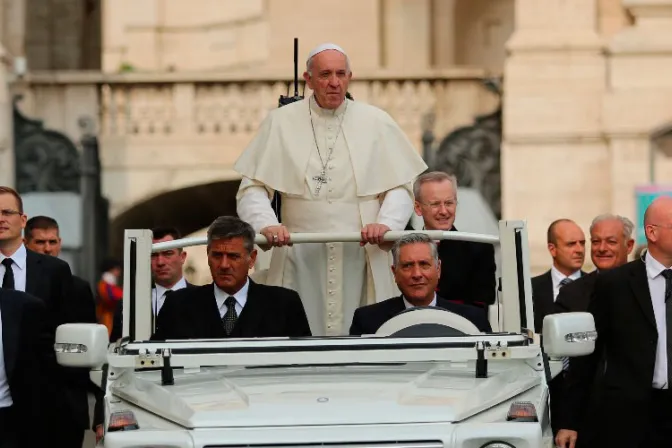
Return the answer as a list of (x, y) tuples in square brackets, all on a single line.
[(632, 309), (338, 166), (567, 247)]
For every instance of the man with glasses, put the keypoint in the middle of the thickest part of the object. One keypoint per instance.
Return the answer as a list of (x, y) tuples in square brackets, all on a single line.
[(50, 279), (467, 268)]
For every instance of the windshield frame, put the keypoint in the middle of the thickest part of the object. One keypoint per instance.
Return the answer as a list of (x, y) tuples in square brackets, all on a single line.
[(515, 287)]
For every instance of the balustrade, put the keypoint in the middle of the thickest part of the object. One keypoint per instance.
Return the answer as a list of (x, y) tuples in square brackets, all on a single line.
[(224, 106)]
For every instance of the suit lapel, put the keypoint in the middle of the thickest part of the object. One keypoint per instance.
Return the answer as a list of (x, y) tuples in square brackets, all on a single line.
[(210, 313), (547, 291), (33, 273), (11, 318), (396, 306), (640, 287)]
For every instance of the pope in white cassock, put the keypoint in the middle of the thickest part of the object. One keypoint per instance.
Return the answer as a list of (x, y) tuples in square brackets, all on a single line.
[(339, 166)]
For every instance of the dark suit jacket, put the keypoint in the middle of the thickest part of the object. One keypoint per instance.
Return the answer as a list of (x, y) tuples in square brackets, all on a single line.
[(368, 319), (467, 272), (575, 297), (29, 358), (50, 279), (118, 320), (542, 298), (86, 312), (270, 311), (627, 337)]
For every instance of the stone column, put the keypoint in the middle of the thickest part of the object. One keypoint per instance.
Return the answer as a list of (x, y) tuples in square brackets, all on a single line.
[(554, 159), (14, 26), (406, 35), (637, 103), (443, 36), (6, 131)]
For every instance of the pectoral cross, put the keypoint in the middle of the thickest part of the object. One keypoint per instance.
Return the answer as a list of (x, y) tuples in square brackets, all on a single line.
[(321, 179)]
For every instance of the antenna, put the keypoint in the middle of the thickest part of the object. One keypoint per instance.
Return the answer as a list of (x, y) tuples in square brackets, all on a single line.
[(296, 67), (285, 100)]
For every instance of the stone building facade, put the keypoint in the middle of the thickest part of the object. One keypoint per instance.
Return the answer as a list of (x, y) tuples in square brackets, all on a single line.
[(584, 86)]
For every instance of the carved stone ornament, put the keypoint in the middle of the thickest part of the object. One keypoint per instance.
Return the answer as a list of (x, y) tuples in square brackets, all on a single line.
[(45, 160), (472, 154)]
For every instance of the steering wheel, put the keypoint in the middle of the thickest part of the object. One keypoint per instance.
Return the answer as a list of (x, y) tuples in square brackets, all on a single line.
[(427, 322)]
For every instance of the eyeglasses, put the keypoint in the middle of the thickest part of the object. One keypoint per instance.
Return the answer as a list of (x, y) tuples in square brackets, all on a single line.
[(438, 204), (7, 213)]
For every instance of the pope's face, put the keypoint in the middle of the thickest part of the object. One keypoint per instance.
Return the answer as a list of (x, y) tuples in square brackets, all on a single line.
[(329, 78)]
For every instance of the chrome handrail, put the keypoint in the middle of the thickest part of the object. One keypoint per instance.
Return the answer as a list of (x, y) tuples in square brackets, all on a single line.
[(339, 237)]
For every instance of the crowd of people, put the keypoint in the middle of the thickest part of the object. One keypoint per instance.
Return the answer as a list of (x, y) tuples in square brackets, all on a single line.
[(592, 400), (334, 164)]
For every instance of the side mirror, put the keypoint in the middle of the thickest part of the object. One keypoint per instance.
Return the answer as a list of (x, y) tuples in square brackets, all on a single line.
[(81, 345), (569, 334)]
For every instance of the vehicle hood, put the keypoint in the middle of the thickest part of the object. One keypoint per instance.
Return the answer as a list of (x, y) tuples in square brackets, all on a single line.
[(324, 395)]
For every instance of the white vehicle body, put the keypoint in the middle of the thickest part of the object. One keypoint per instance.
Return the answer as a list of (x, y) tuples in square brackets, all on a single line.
[(395, 389)]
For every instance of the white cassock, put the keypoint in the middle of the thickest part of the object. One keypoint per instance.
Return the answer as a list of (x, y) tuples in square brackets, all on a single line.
[(368, 180)]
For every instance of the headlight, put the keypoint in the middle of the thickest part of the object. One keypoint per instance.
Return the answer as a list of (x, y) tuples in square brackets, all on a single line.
[(498, 445)]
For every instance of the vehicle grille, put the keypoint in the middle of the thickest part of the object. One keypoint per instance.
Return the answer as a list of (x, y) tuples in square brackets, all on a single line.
[(396, 444)]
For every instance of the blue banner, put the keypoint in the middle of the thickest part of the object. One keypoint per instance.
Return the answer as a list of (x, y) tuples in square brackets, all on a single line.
[(644, 196)]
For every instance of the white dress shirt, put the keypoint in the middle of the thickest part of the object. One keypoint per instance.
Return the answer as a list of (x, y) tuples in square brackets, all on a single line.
[(159, 294), (657, 290), (5, 396), (240, 296), (410, 305), (18, 268), (557, 277)]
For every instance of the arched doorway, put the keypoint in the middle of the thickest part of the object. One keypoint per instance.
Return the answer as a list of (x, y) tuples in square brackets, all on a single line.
[(188, 209)]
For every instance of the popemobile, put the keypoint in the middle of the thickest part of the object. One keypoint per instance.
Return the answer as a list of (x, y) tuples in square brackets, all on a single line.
[(427, 379)]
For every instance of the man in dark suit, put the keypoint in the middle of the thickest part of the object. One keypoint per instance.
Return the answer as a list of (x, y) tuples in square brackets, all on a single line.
[(50, 280), (167, 269), (467, 268), (233, 305), (567, 246), (610, 244), (416, 270), (632, 307), (42, 235), (26, 360)]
